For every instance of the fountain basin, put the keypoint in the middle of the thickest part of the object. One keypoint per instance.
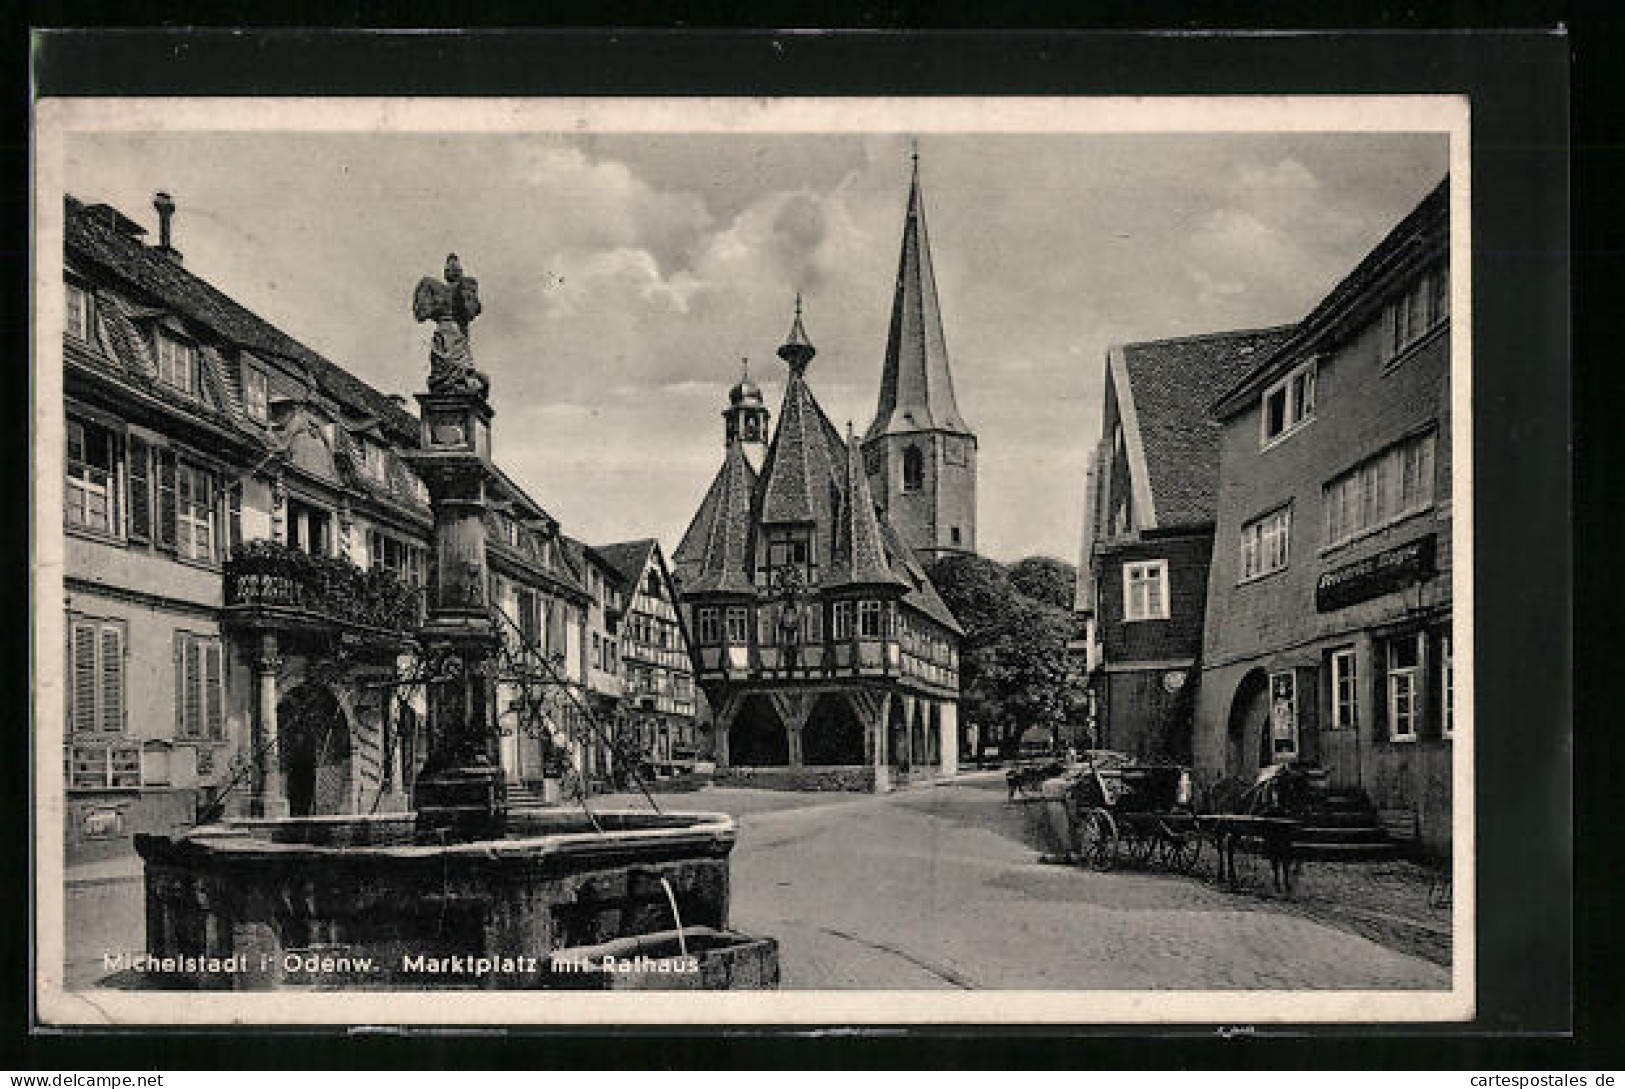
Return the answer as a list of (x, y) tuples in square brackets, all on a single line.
[(365, 902)]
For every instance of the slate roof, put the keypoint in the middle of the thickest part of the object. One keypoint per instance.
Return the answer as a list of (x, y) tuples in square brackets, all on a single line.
[(1424, 229), (858, 550), (811, 476), (93, 234), (628, 558), (1172, 384), (916, 386), (714, 555)]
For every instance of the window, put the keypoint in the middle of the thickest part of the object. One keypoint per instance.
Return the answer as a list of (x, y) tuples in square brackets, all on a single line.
[(1266, 544), (913, 469), (1422, 307), (104, 766), (766, 622), (1145, 594), (404, 560), (738, 633), (1404, 672), (869, 620), (790, 548), (1345, 691), (708, 627), (1289, 403), (843, 620), (194, 512), (1447, 686), (96, 666), (1394, 484), (200, 694), (91, 495), (812, 623), (953, 535), (177, 363), (256, 393), (651, 585), (309, 528), (78, 312)]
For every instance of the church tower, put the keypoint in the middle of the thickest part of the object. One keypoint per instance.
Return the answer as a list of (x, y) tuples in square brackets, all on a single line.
[(919, 453)]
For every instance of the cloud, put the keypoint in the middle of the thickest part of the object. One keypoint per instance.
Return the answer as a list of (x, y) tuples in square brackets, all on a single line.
[(625, 276)]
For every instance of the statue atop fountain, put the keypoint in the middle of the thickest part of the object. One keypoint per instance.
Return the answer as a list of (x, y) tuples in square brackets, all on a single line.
[(452, 304)]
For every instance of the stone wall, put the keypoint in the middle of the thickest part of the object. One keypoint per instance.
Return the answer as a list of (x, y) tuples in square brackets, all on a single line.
[(860, 779)]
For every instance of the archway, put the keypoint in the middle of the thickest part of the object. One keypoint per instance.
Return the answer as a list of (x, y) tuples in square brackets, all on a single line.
[(314, 740), (1249, 712), (756, 739), (833, 734)]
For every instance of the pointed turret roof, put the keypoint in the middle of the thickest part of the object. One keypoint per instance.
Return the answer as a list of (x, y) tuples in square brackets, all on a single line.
[(797, 349), (807, 454), (714, 556), (916, 388), (858, 551)]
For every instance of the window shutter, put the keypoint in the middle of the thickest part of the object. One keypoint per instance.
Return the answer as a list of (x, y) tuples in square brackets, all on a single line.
[(168, 515), (140, 490), (557, 640), (194, 688), (180, 683), (83, 696), (214, 691), (112, 679), (234, 513)]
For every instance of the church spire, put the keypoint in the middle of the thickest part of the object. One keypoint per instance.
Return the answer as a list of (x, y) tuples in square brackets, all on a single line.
[(916, 387)]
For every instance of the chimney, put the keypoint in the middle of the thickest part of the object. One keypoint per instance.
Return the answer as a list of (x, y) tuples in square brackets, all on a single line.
[(165, 205)]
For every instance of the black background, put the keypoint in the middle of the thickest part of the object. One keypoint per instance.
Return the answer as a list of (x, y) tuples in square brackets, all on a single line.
[(1518, 83)]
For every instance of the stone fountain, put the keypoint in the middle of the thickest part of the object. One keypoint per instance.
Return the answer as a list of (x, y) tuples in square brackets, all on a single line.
[(463, 892)]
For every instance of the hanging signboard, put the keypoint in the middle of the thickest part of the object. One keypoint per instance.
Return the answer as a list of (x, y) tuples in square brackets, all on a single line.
[(1383, 573)]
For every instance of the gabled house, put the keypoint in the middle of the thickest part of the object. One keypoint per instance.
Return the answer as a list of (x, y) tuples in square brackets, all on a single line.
[(1150, 497)]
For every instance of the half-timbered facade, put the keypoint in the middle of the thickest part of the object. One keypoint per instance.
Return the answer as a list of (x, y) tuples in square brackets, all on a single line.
[(825, 653)]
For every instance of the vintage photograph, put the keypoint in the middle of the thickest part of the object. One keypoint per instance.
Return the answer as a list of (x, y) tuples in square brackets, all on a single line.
[(771, 561)]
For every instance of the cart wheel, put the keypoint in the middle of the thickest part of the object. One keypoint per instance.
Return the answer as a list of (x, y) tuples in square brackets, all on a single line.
[(1181, 850), (1141, 845), (1099, 840)]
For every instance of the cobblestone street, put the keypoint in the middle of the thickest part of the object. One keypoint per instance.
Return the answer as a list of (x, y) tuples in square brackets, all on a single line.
[(937, 887)]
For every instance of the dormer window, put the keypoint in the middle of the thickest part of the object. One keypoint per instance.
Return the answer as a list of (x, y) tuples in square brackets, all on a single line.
[(256, 393), (177, 363), (1289, 403), (372, 459), (1417, 311), (78, 313)]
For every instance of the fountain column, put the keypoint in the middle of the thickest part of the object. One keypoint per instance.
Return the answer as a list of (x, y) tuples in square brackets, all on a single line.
[(460, 792)]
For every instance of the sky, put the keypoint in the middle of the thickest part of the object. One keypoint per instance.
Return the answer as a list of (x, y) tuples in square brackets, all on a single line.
[(625, 277)]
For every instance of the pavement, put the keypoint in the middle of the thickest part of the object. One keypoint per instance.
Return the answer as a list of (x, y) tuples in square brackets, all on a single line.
[(935, 886)]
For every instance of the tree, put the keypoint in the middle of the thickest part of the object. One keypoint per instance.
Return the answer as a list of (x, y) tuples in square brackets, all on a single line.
[(1046, 579), (1014, 672)]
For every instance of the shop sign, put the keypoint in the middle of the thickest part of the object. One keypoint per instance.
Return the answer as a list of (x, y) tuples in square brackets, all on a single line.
[(1383, 573)]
